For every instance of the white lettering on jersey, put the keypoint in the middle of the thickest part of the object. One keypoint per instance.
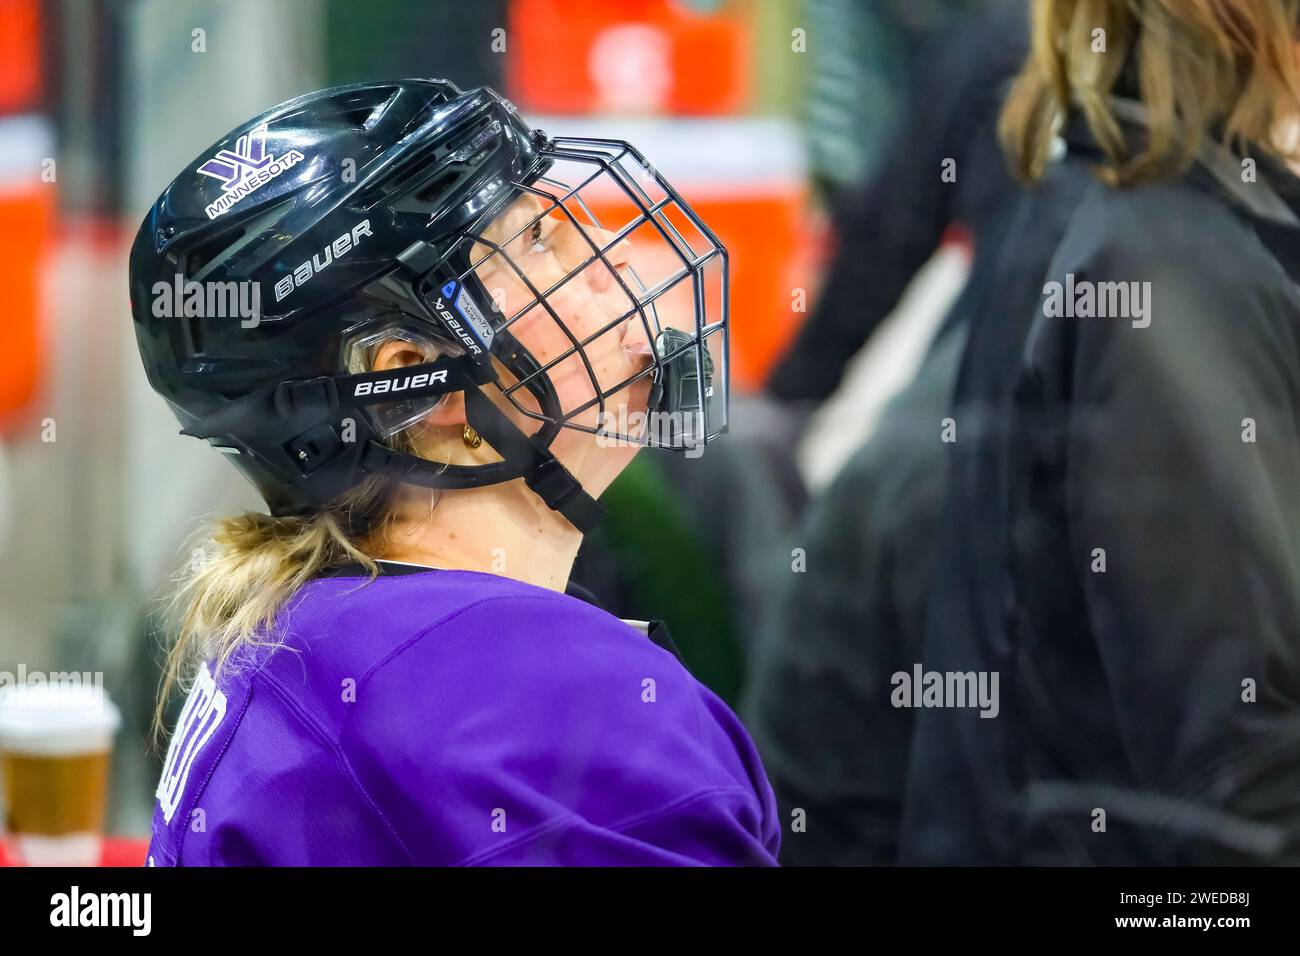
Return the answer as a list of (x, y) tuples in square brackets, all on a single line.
[(204, 709)]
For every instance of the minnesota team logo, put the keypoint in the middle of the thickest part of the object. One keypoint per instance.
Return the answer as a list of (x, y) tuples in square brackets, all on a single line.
[(246, 168)]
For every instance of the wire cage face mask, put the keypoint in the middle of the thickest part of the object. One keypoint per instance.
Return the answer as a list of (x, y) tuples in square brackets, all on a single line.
[(612, 289)]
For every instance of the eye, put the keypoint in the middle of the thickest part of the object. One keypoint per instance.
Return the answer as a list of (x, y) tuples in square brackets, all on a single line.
[(535, 237)]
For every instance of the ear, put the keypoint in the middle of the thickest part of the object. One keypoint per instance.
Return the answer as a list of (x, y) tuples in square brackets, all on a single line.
[(398, 353)]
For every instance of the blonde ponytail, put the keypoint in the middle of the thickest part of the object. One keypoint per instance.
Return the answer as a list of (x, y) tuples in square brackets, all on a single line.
[(245, 571)]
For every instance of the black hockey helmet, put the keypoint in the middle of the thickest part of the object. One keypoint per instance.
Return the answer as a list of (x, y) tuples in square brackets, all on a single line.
[(362, 212)]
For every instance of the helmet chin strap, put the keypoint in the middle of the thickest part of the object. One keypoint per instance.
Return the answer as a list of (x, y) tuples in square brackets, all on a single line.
[(307, 413), (523, 456)]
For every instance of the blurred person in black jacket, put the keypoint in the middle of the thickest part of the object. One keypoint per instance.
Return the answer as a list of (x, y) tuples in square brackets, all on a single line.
[(818, 702), (891, 226), (1121, 544)]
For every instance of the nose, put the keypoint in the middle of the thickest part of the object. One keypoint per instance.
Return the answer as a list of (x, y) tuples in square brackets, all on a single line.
[(617, 256)]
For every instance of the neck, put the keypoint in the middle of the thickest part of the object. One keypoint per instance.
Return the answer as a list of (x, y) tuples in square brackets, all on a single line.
[(501, 529)]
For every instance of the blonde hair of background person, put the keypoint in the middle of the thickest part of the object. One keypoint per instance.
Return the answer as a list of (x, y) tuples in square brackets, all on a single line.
[(1201, 65)]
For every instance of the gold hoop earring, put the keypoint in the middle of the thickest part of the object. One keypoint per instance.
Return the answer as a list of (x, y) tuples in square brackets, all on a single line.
[(471, 438)]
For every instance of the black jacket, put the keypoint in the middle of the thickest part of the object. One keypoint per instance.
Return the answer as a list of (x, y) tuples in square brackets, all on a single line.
[(818, 699), (1122, 543)]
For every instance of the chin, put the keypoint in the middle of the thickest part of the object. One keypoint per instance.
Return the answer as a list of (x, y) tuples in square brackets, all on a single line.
[(592, 459)]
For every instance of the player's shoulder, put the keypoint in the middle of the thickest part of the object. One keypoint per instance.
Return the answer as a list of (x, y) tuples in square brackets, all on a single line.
[(526, 660), (347, 632), (364, 621), (496, 633), (527, 691)]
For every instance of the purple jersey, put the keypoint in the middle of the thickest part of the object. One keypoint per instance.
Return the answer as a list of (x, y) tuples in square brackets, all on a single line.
[(457, 718)]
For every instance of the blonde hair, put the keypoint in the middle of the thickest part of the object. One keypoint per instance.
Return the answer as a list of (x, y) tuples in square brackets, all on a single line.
[(1199, 65), (244, 568)]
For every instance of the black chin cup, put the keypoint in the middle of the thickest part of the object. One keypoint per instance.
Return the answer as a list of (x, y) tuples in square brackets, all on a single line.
[(676, 388)]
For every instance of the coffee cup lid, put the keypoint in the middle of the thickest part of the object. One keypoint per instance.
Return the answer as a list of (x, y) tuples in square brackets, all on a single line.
[(50, 718)]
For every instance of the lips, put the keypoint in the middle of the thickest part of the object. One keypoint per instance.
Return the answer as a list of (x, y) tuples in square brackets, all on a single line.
[(634, 345)]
